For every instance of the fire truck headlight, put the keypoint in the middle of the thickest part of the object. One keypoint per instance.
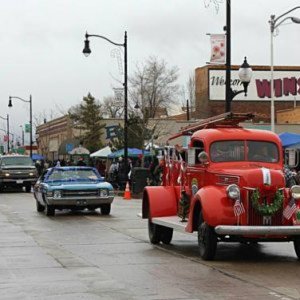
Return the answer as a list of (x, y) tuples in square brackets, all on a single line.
[(233, 191), (295, 191)]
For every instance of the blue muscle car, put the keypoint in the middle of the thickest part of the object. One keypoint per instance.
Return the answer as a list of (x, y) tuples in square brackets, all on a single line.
[(73, 188)]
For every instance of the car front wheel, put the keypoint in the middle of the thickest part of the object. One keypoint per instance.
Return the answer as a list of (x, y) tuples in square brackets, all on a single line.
[(49, 210), (39, 206), (207, 240), (105, 209)]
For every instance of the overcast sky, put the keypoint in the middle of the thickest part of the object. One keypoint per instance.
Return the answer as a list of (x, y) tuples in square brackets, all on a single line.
[(42, 42)]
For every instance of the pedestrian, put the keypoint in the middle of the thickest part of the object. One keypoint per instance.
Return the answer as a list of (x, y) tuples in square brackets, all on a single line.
[(122, 176), (81, 162)]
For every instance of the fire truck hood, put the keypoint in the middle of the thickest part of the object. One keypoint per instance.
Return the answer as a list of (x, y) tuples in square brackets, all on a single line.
[(255, 176)]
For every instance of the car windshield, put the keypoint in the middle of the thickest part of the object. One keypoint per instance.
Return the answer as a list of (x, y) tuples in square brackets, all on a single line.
[(15, 160), (72, 175), (258, 151)]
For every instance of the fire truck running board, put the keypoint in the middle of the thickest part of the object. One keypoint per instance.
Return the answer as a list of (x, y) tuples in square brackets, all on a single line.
[(171, 222), (257, 230)]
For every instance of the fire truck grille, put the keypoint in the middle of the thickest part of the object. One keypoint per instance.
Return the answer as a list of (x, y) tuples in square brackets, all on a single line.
[(226, 180), (256, 218)]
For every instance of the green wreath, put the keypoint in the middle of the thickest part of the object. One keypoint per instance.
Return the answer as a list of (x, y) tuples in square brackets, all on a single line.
[(267, 209)]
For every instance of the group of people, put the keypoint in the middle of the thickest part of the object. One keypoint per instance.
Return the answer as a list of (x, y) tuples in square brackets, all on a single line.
[(115, 172), (119, 176), (42, 164)]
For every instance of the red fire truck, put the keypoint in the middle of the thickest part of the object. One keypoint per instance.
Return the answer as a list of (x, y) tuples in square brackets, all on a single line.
[(229, 185)]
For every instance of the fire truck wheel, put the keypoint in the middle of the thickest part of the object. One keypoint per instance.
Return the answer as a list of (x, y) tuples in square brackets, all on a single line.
[(166, 235), (207, 240), (297, 246), (154, 231)]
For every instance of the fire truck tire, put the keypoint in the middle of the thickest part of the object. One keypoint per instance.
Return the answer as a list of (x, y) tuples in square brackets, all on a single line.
[(207, 240), (166, 235), (154, 232), (297, 246)]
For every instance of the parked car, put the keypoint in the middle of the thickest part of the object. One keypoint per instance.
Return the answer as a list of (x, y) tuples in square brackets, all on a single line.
[(73, 188), (17, 171)]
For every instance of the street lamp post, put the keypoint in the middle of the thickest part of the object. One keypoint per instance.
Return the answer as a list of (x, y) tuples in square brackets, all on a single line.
[(245, 72), (30, 115), (7, 129), (275, 23), (87, 51)]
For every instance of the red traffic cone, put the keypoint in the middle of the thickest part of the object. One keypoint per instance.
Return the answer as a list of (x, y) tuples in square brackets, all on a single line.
[(127, 194)]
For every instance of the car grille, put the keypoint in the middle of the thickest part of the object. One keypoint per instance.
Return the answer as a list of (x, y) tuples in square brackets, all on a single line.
[(20, 174), (255, 218), (80, 193)]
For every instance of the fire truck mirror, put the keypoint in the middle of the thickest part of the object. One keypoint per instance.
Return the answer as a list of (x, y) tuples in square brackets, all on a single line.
[(203, 158)]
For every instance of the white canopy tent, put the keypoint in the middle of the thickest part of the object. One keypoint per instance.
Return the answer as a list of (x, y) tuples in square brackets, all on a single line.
[(79, 151), (102, 153)]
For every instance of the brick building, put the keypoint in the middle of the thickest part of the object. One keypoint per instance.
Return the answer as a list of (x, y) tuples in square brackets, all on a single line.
[(210, 91), (291, 115)]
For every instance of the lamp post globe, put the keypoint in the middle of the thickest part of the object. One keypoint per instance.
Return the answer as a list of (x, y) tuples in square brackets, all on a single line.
[(245, 75), (295, 20), (86, 50)]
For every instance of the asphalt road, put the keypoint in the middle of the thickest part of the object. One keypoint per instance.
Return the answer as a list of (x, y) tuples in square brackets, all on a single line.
[(86, 255)]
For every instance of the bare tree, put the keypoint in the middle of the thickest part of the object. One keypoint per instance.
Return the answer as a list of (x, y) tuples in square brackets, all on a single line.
[(113, 107), (191, 86), (153, 88), (47, 115)]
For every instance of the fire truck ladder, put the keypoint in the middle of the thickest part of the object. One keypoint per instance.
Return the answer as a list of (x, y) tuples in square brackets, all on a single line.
[(228, 119)]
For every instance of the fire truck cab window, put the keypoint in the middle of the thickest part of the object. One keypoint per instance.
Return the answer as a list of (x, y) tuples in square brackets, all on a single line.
[(199, 147)]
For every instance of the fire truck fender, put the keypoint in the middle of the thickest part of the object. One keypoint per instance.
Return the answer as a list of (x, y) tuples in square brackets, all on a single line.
[(211, 201), (159, 201)]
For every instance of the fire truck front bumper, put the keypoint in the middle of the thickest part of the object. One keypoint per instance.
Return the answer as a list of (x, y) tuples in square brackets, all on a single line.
[(257, 230)]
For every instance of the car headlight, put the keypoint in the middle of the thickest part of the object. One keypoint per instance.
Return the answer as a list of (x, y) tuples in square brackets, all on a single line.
[(49, 194), (7, 174), (295, 191), (103, 193), (57, 194), (233, 191), (31, 174), (111, 193)]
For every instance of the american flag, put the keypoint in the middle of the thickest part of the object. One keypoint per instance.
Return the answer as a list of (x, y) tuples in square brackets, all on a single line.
[(290, 209), (238, 208)]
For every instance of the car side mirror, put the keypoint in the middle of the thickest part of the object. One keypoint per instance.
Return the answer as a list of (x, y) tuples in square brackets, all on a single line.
[(203, 157)]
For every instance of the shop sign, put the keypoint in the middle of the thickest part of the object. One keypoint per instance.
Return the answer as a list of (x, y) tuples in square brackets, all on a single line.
[(286, 85)]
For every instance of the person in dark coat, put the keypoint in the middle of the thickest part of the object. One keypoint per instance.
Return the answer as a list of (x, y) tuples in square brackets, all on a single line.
[(81, 162)]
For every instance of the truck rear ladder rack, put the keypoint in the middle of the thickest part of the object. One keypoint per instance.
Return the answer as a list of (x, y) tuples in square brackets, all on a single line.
[(228, 119)]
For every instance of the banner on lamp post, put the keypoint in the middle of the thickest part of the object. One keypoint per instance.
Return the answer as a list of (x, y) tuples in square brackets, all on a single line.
[(27, 128), (218, 50), (5, 138)]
